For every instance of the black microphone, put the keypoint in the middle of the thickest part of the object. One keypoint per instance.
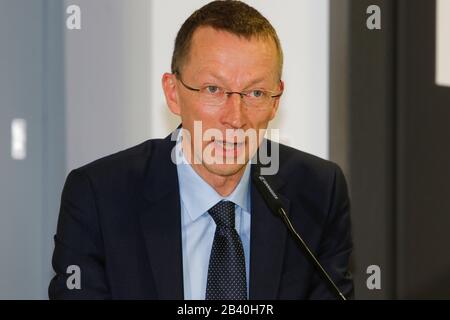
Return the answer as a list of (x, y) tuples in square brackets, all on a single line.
[(273, 202)]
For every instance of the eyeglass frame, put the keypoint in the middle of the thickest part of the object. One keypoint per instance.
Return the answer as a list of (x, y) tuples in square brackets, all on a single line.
[(228, 93)]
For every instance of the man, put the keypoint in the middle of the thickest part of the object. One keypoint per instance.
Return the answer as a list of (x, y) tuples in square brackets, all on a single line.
[(182, 220)]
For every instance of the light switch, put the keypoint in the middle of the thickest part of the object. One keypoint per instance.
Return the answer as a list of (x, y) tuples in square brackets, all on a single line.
[(18, 139)]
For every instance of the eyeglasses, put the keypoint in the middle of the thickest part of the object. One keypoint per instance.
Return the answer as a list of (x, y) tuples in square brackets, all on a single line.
[(216, 96)]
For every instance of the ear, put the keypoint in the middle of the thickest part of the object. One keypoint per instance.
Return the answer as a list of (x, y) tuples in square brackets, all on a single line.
[(170, 91), (277, 101)]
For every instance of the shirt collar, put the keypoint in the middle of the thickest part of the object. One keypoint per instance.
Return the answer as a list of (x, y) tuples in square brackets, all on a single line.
[(198, 196)]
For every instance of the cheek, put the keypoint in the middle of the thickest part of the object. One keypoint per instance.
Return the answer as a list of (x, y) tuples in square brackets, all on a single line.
[(191, 112), (259, 120), (188, 108)]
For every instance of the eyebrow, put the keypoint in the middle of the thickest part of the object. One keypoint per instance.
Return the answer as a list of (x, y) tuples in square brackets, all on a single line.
[(253, 82)]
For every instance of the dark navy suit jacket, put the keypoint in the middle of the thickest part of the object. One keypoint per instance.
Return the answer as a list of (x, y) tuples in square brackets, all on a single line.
[(119, 222)]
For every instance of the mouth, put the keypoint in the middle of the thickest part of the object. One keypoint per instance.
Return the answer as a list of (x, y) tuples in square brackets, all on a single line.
[(228, 145), (228, 149)]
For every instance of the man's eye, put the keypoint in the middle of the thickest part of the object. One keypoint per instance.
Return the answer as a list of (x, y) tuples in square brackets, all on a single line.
[(212, 89), (257, 93)]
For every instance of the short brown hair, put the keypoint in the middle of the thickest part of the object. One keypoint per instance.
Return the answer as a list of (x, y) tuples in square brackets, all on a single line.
[(232, 16)]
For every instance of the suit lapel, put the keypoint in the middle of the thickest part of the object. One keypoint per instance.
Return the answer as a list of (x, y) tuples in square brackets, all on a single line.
[(267, 246), (160, 218)]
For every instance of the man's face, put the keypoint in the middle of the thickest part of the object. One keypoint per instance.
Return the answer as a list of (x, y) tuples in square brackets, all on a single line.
[(219, 58)]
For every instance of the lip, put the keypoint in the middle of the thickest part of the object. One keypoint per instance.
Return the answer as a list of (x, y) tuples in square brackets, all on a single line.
[(227, 149), (228, 143)]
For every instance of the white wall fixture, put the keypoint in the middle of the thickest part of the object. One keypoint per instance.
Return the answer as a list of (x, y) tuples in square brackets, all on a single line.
[(18, 139), (443, 43)]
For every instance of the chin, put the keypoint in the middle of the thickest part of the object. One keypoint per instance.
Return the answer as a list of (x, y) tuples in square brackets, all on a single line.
[(224, 170)]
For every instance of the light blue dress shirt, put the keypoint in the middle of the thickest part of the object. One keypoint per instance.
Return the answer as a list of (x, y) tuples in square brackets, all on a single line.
[(198, 227)]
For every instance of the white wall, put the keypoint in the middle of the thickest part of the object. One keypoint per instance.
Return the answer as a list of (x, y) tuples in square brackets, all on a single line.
[(107, 79), (302, 26)]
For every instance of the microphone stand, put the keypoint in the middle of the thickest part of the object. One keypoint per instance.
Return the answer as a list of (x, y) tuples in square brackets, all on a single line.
[(275, 205)]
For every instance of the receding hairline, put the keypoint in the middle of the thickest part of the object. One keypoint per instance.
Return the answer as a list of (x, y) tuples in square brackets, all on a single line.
[(185, 57)]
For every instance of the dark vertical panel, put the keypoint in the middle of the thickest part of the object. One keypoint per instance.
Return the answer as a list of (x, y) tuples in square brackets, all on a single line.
[(366, 142), (339, 84), (396, 137), (423, 159)]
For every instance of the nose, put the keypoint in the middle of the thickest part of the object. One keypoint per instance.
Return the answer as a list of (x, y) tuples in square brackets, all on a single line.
[(234, 111)]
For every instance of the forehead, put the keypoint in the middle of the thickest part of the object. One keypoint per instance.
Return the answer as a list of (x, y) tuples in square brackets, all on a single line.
[(231, 55)]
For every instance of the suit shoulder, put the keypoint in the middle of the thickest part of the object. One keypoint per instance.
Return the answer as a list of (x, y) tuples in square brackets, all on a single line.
[(294, 159), (129, 161)]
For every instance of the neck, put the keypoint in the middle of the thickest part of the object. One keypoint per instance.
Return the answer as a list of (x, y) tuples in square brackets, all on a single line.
[(222, 184)]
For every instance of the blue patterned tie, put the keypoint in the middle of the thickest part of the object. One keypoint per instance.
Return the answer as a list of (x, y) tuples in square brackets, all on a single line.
[(226, 273)]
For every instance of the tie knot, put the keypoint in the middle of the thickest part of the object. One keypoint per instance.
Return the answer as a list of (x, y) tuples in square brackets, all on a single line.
[(223, 214)]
